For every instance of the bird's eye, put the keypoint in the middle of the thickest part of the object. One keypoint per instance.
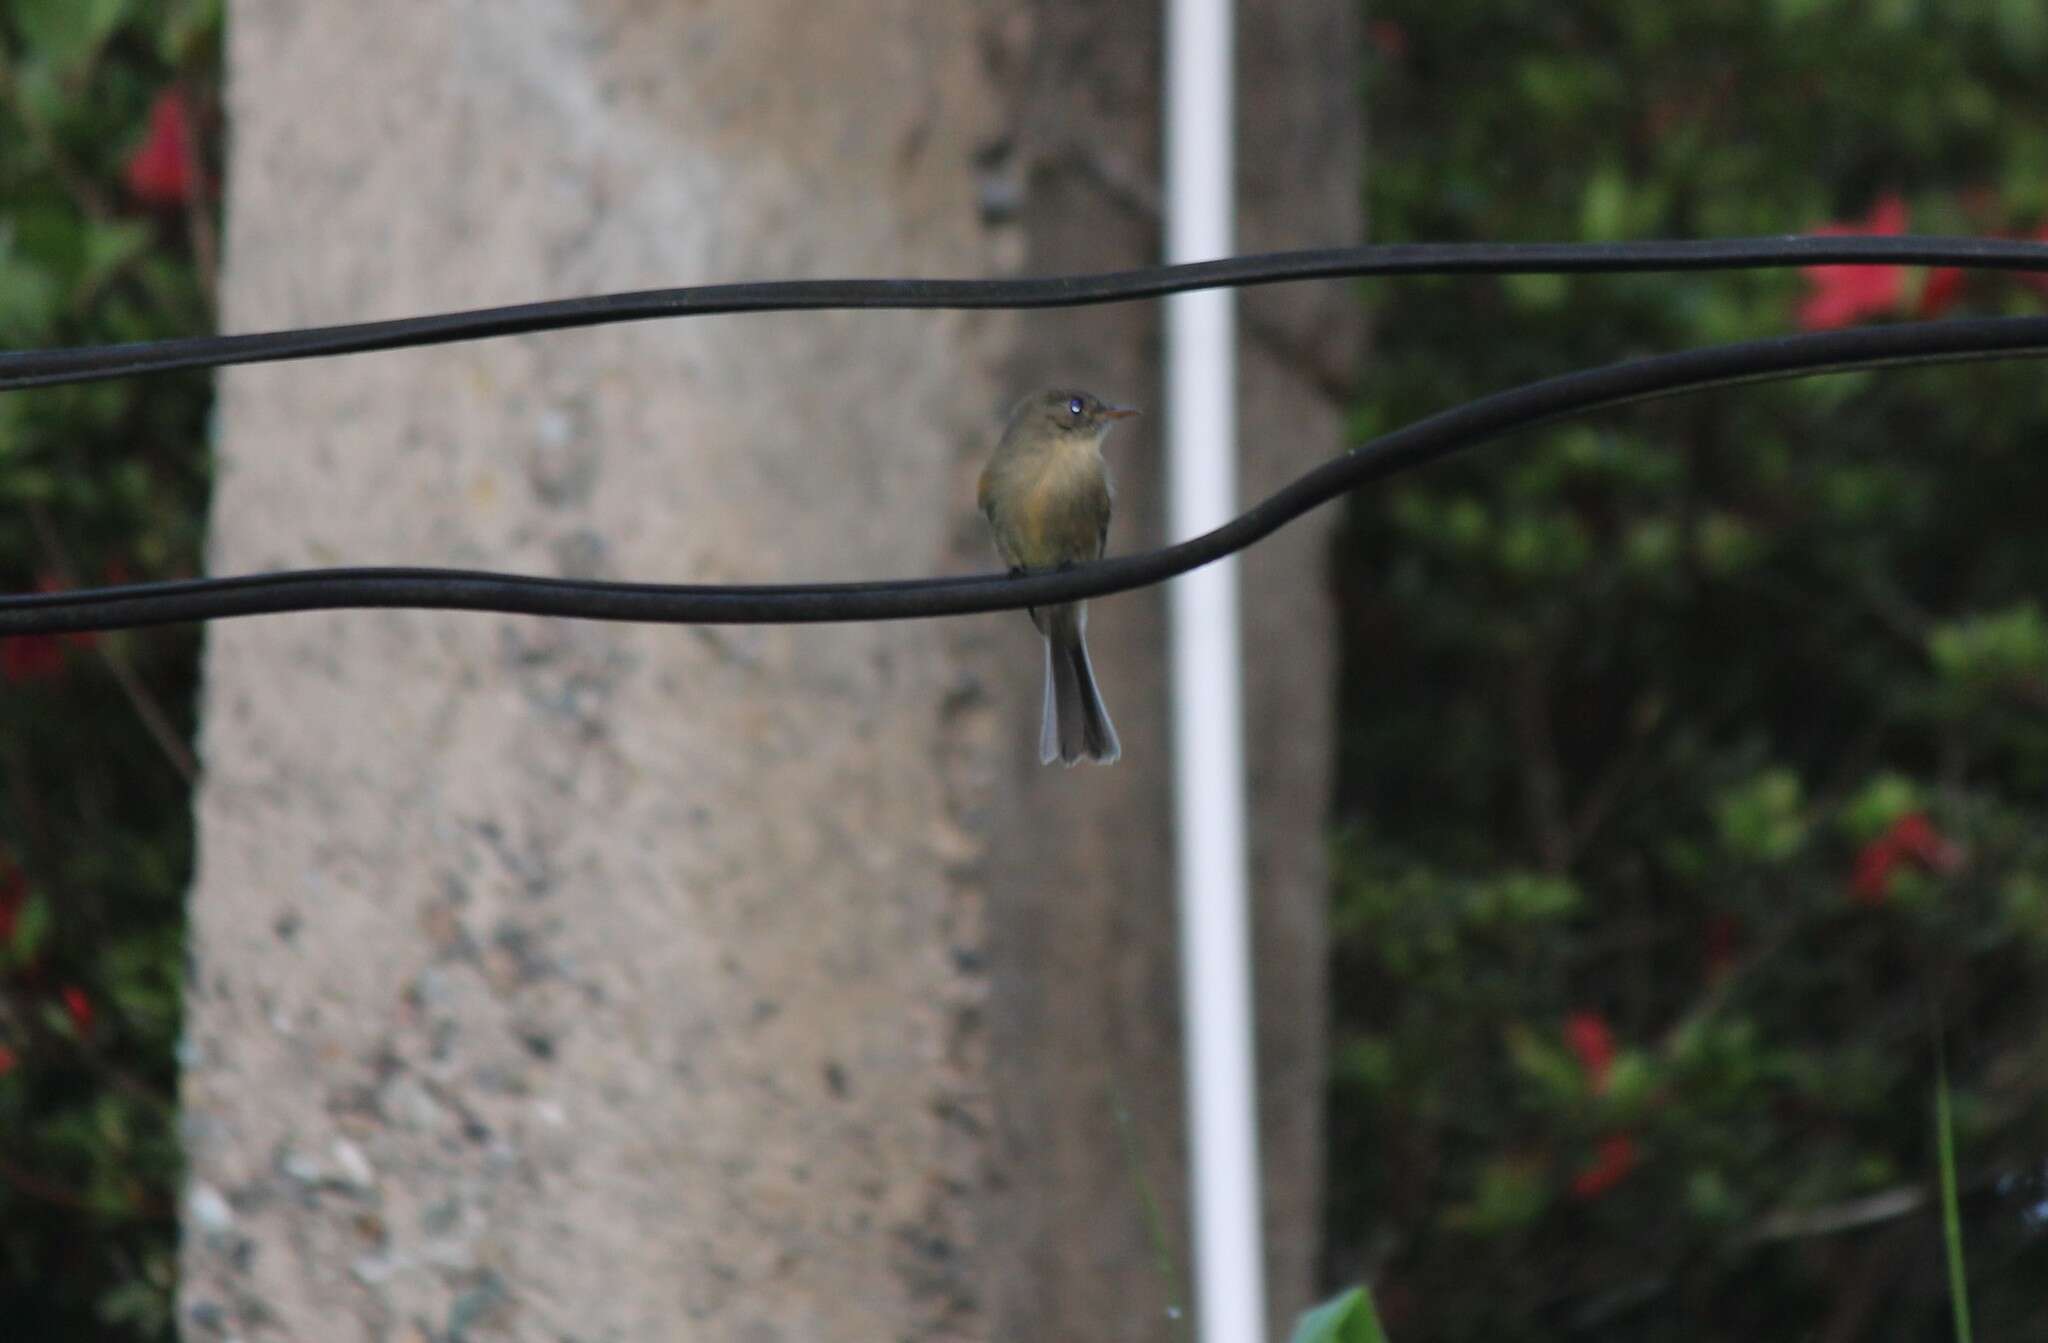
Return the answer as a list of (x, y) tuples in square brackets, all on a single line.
[(1074, 407)]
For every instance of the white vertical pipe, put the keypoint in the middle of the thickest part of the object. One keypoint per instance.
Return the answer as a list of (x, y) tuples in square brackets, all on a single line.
[(1208, 690)]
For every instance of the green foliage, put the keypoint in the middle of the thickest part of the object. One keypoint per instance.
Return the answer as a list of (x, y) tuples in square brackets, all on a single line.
[(1879, 805), (1762, 819), (96, 483), (66, 34), (1994, 651), (1348, 1318), (1951, 1218), (1691, 751)]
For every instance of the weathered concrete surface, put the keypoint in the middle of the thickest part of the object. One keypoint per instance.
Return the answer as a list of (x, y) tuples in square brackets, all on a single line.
[(1299, 182), (565, 981)]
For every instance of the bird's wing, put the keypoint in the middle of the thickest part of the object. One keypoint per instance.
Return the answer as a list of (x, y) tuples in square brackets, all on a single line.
[(984, 495)]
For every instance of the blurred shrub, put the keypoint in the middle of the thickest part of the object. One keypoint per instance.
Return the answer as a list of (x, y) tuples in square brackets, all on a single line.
[(1696, 756), (106, 200)]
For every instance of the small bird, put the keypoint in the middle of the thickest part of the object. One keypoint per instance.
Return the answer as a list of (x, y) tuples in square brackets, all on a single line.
[(1046, 496)]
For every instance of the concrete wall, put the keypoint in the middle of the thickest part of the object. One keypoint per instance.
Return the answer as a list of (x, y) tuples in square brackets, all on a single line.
[(568, 981)]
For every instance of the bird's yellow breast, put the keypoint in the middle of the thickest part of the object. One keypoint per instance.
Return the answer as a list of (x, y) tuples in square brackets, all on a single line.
[(1052, 507)]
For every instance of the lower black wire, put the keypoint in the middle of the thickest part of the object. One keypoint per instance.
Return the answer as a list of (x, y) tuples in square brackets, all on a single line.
[(1427, 440)]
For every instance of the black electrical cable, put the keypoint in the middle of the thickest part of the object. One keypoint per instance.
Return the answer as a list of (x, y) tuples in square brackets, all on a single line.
[(40, 368), (1414, 445)]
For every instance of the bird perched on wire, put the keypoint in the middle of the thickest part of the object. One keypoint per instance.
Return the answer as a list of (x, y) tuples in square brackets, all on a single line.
[(1046, 495)]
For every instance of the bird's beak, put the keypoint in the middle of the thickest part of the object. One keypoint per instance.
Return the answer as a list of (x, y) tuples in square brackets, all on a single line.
[(1118, 412)]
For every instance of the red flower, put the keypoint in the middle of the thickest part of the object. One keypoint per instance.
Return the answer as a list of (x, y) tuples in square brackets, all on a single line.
[(1389, 39), (1723, 933), (1918, 840), (160, 171), (1943, 287), (1872, 877), (1588, 1037), (31, 657), (47, 582), (78, 1007), (1613, 1159), (1911, 838), (38, 657), (13, 895), (1841, 295), (8, 1058)]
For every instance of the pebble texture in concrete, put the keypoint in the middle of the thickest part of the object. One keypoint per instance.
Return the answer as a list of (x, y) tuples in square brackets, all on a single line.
[(574, 981)]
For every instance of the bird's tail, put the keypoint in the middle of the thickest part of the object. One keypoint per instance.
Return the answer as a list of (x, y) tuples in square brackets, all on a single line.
[(1076, 725)]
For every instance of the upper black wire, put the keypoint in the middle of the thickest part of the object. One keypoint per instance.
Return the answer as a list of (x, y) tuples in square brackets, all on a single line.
[(41, 368), (1424, 441)]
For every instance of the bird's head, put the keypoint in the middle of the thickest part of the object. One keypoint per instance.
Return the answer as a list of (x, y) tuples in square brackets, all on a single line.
[(1067, 412)]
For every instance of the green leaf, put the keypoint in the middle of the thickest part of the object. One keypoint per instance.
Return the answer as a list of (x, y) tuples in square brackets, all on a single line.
[(191, 24), (1727, 544), (1545, 1064), (1630, 1081), (28, 300), (27, 485), (1762, 819), (1544, 546), (1999, 647), (1510, 1194), (67, 33), (1603, 210), (2024, 896), (2022, 26), (1367, 1061), (140, 1303), (31, 929), (1651, 547), (1951, 1218), (1346, 1318), (1537, 293), (109, 247), (1708, 1197), (1883, 800), (1528, 897)]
